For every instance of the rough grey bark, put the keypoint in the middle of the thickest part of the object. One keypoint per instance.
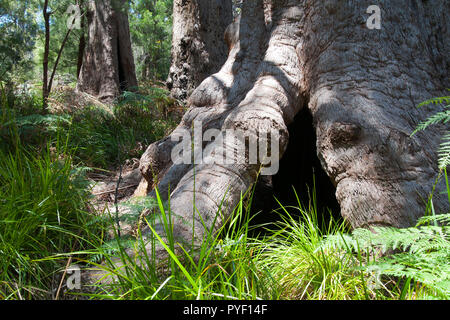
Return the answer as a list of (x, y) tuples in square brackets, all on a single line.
[(198, 49), (108, 65), (362, 87)]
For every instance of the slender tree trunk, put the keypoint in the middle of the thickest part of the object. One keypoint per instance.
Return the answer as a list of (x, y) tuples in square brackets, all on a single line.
[(362, 87), (82, 41), (108, 65), (198, 49), (58, 57), (45, 91), (48, 83)]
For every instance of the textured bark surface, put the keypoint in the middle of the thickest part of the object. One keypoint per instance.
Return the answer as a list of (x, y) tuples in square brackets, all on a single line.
[(361, 86), (108, 66), (198, 49), (364, 86)]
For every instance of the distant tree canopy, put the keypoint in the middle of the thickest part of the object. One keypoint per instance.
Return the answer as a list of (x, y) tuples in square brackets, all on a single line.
[(58, 23), (23, 38), (18, 28), (151, 35)]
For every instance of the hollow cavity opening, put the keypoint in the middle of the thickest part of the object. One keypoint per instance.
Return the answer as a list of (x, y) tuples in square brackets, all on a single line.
[(300, 170)]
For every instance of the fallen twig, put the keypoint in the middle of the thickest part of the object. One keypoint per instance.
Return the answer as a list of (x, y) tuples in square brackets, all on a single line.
[(119, 189)]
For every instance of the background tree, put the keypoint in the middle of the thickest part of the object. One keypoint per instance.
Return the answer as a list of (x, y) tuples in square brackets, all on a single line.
[(198, 49), (55, 18), (108, 65), (361, 86)]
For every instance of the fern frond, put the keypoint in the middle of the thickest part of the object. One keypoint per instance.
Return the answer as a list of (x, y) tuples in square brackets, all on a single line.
[(438, 100), (443, 219), (37, 119), (139, 204), (424, 251), (112, 247), (339, 242), (444, 152), (443, 116)]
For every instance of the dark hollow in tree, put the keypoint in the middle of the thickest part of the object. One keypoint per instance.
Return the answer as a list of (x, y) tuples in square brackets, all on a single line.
[(300, 180)]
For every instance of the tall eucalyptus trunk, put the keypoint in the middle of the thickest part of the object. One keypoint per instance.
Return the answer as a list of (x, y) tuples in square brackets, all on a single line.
[(198, 49), (108, 65)]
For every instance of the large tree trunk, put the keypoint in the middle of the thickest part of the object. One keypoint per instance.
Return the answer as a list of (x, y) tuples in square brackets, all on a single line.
[(198, 49), (108, 65), (362, 87)]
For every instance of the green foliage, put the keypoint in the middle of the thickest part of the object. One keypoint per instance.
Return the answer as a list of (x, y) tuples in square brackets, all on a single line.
[(296, 260), (444, 151), (58, 30), (43, 204), (18, 28), (287, 264), (96, 136), (439, 117), (103, 137), (420, 253), (223, 267), (303, 269), (17, 117), (23, 38), (151, 34)]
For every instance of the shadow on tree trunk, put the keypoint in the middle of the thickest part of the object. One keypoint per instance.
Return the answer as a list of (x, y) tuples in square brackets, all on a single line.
[(363, 87)]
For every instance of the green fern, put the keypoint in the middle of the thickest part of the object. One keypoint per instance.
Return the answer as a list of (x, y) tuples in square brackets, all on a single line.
[(111, 248), (137, 206), (443, 219), (51, 122), (440, 117), (443, 117), (423, 251), (444, 151), (438, 100)]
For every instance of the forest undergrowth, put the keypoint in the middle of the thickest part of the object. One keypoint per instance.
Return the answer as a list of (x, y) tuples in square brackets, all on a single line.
[(48, 222)]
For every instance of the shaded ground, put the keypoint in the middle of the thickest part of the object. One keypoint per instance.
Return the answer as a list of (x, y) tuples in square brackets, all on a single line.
[(108, 190)]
